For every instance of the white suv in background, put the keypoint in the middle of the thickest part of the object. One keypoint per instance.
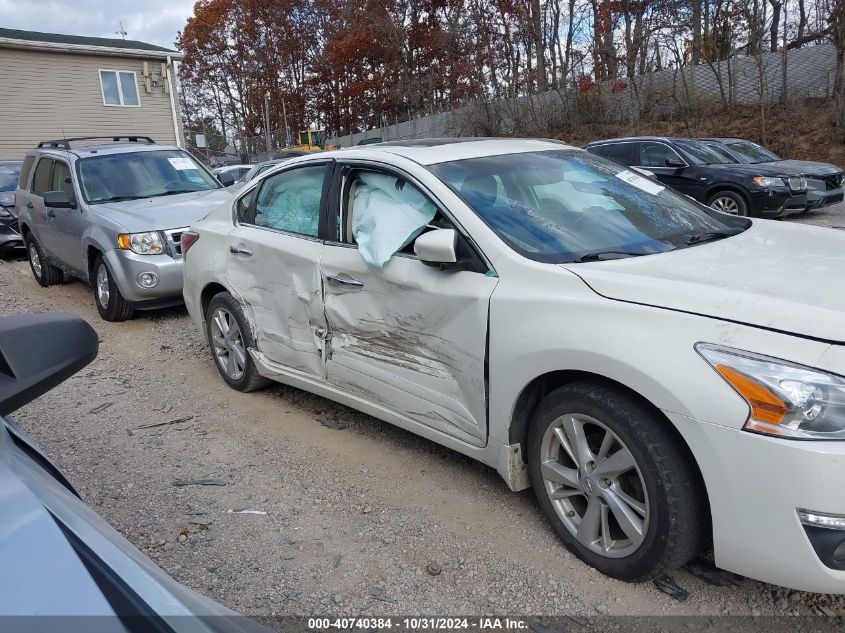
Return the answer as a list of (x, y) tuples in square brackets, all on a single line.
[(665, 376)]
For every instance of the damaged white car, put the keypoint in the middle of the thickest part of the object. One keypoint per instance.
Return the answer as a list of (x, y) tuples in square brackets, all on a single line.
[(667, 378)]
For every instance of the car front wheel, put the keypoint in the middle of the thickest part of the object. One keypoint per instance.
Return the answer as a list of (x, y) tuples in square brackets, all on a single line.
[(728, 202), (616, 484), (110, 302), (45, 273), (230, 339)]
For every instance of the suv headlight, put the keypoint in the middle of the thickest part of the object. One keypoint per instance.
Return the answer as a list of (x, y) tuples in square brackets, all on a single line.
[(786, 400), (142, 243), (5, 213), (767, 182)]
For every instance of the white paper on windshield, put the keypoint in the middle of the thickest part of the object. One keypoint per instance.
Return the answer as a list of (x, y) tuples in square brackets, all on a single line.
[(181, 163), (639, 182)]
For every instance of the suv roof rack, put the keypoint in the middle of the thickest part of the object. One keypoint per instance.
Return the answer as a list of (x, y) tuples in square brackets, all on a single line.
[(64, 143)]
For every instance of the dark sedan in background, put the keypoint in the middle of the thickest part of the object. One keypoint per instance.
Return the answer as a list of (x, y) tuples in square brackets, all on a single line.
[(10, 237), (707, 175), (824, 181)]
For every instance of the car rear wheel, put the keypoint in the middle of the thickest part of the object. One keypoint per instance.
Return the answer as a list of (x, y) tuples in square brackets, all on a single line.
[(615, 483), (728, 202), (45, 273), (110, 302), (230, 339)]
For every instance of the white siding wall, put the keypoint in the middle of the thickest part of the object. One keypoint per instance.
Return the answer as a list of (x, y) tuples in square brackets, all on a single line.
[(47, 95)]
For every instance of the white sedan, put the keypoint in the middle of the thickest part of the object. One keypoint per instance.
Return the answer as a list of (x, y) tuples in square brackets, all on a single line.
[(667, 378)]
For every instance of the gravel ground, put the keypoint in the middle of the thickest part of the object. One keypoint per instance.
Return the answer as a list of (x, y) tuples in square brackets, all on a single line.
[(364, 519)]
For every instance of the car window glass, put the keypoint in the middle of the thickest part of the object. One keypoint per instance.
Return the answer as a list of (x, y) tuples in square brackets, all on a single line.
[(385, 214), (9, 175), (656, 155), (564, 204), (243, 206), (61, 179), (41, 180), (25, 169), (290, 201), (620, 152), (147, 174)]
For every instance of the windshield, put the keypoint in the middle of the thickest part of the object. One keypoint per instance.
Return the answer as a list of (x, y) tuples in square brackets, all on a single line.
[(129, 176), (702, 154), (569, 205), (724, 152), (9, 174), (749, 152)]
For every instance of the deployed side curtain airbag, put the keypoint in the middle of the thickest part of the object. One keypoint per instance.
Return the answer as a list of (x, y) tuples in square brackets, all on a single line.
[(387, 214)]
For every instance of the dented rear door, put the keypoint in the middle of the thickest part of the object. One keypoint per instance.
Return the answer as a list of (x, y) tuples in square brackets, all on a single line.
[(272, 262)]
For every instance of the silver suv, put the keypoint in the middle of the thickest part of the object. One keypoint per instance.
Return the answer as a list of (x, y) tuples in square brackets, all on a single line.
[(111, 212)]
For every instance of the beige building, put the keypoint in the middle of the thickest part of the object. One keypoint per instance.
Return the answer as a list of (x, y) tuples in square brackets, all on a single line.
[(59, 86)]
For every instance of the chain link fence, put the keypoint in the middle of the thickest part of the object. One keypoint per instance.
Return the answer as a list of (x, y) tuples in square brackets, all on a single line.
[(218, 150), (685, 92)]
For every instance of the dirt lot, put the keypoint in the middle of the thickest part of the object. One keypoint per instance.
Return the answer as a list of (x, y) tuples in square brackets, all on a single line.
[(358, 519)]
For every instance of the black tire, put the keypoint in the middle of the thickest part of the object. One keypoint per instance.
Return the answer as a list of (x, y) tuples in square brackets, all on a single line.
[(723, 200), (48, 275), (248, 379), (111, 306), (675, 517)]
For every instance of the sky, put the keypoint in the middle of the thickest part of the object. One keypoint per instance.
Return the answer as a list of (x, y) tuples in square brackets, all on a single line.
[(151, 21)]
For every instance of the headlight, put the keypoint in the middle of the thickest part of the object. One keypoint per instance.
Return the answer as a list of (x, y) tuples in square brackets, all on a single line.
[(766, 182), (142, 243), (786, 400), (5, 213)]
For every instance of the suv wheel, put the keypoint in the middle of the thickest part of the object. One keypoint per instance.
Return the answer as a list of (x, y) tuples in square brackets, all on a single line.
[(45, 273), (230, 339), (613, 481), (728, 202), (110, 303)]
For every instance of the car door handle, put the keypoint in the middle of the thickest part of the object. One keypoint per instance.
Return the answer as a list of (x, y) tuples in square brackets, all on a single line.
[(240, 250), (345, 281)]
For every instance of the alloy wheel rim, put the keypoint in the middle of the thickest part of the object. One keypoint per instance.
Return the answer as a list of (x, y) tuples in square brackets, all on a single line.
[(595, 485), (228, 344), (103, 286), (726, 205), (34, 260)]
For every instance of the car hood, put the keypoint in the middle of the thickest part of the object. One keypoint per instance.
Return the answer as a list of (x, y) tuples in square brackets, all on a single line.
[(779, 276), (7, 198), (164, 212), (806, 167)]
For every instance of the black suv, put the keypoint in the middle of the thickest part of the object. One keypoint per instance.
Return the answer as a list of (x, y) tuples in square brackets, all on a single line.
[(709, 176), (824, 181)]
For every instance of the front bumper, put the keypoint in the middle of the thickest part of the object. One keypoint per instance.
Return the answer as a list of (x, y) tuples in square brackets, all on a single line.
[(756, 484), (819, 196), (10, 237), (126, 266), (776, 203)]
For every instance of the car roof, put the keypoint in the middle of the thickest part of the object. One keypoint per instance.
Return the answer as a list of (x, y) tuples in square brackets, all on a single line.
[(430, 151), (722, 139), (623, 139)]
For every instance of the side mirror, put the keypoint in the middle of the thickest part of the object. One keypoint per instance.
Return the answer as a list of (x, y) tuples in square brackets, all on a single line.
[(39, 351), (671, 162), (226, 179), (58, 200), (437, 247)]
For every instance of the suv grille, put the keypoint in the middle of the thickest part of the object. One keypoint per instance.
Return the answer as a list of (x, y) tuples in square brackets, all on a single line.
[(174, 242), (833, 181)]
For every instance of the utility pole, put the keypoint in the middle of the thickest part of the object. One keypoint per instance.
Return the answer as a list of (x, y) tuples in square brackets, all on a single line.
[(287, 129), (267, 122)]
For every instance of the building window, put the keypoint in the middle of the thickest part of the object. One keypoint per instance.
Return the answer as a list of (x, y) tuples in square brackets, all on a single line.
[(119, 87)]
